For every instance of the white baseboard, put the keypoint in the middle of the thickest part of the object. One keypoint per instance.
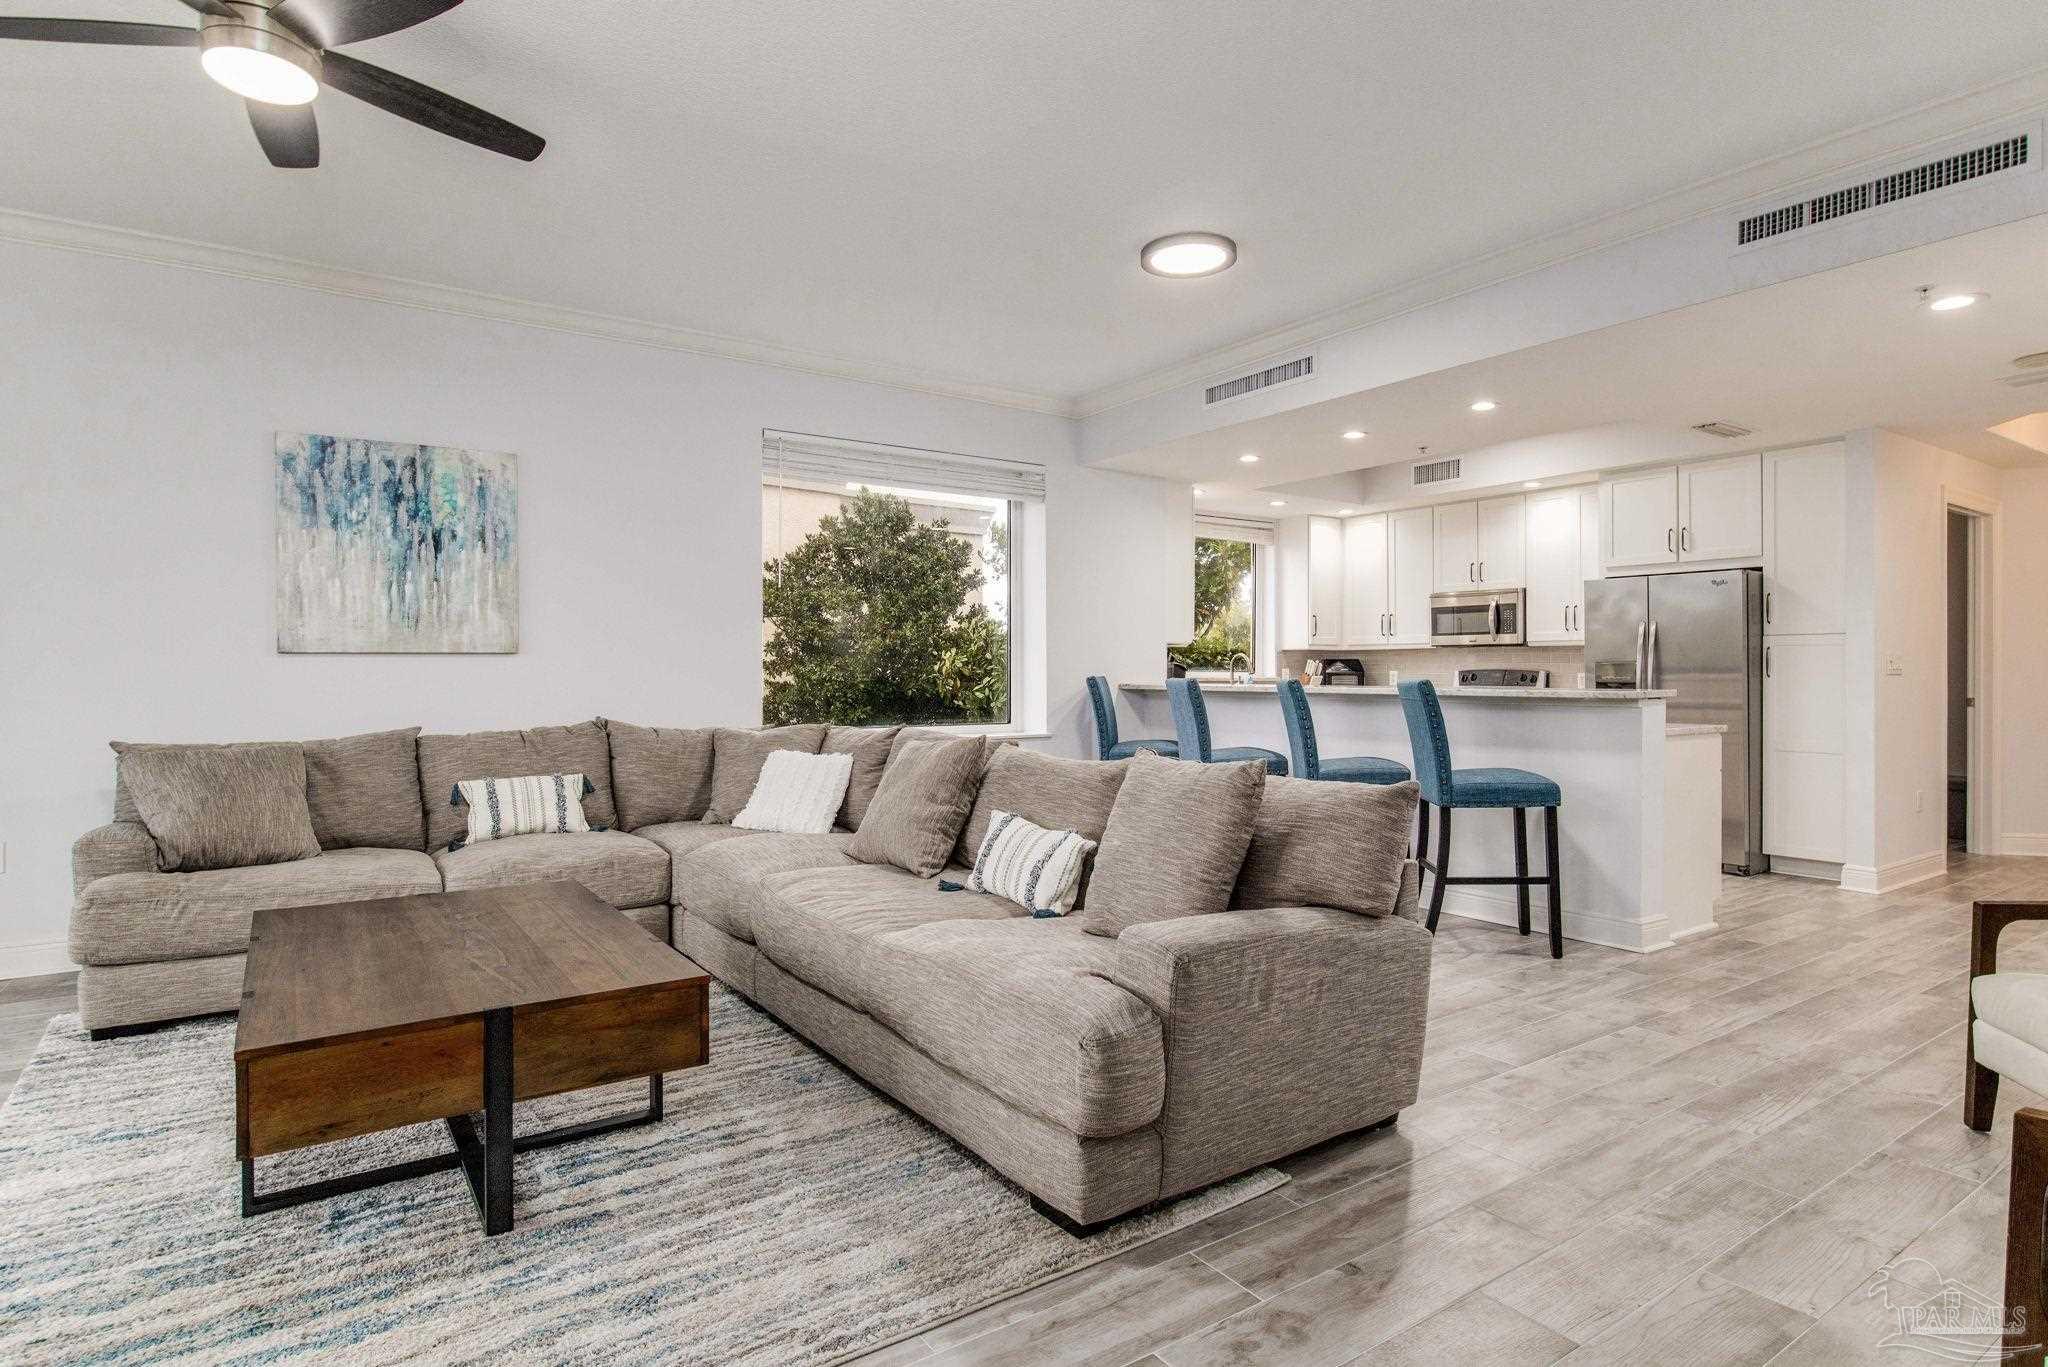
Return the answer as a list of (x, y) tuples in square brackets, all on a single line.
[(1498, 908), (34, 958), (1898, 874), (2013, 842), (1818, 869)]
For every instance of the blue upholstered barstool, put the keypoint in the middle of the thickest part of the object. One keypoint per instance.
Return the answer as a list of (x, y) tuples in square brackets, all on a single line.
[(1107, 746), (1191, 729), (1448, 788), (1309, 761)]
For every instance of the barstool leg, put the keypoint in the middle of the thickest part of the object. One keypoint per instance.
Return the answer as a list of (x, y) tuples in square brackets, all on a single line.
[(1522, 868), (1422, 831), (1556, 883), (1443, 864)]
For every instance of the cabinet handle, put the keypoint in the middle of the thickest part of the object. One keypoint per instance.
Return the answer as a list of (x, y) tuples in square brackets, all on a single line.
[(1767, 662), (1314, 627), (1685, 538), (1670, 540), (1471, 571), (1767, 606), (1567, 616), (1482, 571)]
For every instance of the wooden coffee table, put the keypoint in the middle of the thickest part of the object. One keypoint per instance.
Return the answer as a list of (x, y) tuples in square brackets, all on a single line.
[(364, 1016)]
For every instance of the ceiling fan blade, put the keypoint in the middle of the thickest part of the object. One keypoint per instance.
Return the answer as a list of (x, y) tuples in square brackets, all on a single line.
[(395, 94), (213, 7), (330, 23), (99, 31), (288, 133)]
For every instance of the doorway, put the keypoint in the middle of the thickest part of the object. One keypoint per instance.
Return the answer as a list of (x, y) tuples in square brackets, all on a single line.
[(1967, 536)]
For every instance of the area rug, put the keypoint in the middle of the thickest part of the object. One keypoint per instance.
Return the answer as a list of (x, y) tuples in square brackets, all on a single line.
[(783, 1213)]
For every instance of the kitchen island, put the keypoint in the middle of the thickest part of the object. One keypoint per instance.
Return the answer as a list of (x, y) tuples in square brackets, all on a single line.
[(1641, 860)]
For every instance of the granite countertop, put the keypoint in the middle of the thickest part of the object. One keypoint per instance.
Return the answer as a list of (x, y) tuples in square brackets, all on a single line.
[(1389, 691), (1694, 728)]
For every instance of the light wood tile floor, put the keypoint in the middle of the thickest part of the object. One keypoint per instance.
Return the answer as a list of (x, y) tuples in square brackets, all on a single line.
[(1722, 1153)]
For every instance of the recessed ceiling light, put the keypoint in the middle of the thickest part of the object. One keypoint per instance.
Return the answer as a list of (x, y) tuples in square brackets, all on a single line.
[(1532, 484), (1248, 458), (1949, 303), (1354, 435), (1484, 406), (1185, 255), (1277, 503)]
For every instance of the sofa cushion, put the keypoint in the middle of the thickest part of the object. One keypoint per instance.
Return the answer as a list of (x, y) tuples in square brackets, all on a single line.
[(925, 796), (738, 758), (660, 773), (1025, 1009), (447, 760), (220, 806), (684, 838), (721, 884), (869, 746), (622, 869), (152, 917), (365, 791), (818, 924), (1176, 839), (1059, 794), (1318, 844)]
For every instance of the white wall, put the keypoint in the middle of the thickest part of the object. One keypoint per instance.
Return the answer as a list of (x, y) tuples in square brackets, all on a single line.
[(2020, 668), (137, 404)]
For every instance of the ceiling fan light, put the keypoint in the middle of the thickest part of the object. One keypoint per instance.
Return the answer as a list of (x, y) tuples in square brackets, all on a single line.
[(259, 61)]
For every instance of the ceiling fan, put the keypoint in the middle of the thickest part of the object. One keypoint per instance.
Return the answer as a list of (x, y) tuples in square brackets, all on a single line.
[(278, 53)]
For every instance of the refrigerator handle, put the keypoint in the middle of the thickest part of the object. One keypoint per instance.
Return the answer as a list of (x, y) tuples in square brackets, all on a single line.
[(1641, 667), (1653, 655)]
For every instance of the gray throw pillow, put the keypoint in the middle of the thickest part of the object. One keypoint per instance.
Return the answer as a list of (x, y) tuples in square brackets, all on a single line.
[(660, 773), (448, 760), (1059, 794), (1320, 844), (220, 806), (739, 755), (869, 746), (1175, 841), (924, 799), (364, 791)]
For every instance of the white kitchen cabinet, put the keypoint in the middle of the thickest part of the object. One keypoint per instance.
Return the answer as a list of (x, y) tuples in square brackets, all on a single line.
[(1411, 561), (1805, 524), (1311, 571), (1553, 565), (1804, 796), (1589, 537), (1721, 509), (1639, 519), (1501, 556), (1365, 579), (1457, 546)]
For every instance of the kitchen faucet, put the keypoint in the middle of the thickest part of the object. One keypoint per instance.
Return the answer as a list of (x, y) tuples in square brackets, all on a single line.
[(1235, 656)]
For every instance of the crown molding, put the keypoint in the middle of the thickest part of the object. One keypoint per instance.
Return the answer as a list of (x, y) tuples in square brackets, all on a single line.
[(1866, 147), (131, 244)]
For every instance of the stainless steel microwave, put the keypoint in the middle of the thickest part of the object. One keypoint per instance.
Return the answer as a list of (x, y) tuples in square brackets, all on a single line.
[(1477, 617)]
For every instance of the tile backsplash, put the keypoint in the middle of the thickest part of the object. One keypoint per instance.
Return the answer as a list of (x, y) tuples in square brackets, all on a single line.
[(1440, 664)]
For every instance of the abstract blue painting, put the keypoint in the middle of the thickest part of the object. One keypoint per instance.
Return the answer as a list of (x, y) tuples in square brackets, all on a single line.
[(384, 547)]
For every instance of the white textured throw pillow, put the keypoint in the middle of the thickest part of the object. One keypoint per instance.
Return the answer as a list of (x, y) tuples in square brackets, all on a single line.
[(538, 804), (797, 792), (1037, 869)]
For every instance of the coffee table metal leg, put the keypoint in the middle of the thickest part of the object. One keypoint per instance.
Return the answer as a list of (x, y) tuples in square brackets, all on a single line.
[(497, 1193)]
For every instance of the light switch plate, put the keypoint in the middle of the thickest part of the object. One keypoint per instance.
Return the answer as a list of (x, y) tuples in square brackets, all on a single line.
[(1894, 665)]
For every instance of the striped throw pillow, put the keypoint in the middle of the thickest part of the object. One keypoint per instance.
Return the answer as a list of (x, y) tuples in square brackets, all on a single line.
[(1037, 869), (538, 804)]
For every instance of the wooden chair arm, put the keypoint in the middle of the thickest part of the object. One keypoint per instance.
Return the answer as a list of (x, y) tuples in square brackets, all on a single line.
[(1987, 919)]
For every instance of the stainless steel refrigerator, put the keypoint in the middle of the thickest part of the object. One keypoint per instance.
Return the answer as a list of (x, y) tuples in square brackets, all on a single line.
[(1701, 633)]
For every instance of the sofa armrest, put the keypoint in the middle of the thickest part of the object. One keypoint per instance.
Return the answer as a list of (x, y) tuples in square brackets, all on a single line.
[(117, 847), (1282, 1028), (1408, 901)]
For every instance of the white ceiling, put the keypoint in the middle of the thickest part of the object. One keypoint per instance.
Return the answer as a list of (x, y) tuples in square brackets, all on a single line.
[(958, 191), (1808, 358)]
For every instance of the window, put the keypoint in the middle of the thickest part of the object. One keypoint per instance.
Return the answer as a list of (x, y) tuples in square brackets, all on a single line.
[(1230, 575), (888, 588)]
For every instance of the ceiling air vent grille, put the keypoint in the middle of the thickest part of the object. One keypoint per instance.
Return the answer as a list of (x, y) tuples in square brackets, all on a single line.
[(1723, 429), (1438, 471), (1298, 369), (2005, 155)]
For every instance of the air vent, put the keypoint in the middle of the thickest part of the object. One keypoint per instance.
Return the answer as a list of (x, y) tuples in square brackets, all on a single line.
[(2004, 155), (1437, 471), (1285, 373), (1723, 429)]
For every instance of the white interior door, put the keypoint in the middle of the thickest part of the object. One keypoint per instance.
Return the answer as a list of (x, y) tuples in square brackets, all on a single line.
[(1457, 546), (1501, 553), (1365, 580), (1411, 565), (1639, 518), (1552, 522), (1721, 509)]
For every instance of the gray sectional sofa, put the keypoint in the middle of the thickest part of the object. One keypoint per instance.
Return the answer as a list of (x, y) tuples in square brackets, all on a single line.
[(1099, 1072)]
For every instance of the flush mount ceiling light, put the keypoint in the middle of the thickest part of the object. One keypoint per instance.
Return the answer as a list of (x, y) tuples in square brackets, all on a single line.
[(1354, 435), (258, 58), (1183, 256), (1248, 458), (1277, 503), (1484, 405), (1948, 303)]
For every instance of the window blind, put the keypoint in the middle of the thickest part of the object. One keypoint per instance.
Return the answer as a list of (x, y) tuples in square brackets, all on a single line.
[(1217, 528), (798, 456)]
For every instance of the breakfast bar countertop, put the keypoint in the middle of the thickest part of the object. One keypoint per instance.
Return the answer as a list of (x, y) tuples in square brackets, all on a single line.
[(1389, 691)]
